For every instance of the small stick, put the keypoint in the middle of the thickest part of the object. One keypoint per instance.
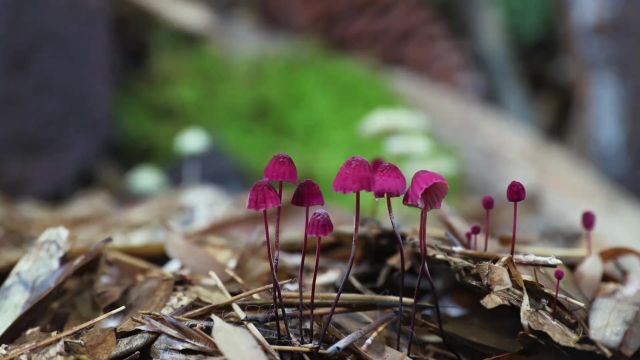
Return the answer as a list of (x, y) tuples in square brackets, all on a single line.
[(356, 335), (241, 314), (52, 339), (232, 299), (300, 349)]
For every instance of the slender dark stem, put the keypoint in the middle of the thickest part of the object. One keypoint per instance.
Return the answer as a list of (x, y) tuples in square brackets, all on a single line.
[(276, 260), (555, 299), (468, 235), (515, 227), (487, 229), (401, 250), (415, 294), (276, 286), (425, 269), (352, 257), (301, 274), (475, 242), (313, 282), (589, 242)]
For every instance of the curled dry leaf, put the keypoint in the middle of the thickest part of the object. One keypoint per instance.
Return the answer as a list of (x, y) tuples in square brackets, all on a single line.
[(29, 277), (234, 342), (588, 275)]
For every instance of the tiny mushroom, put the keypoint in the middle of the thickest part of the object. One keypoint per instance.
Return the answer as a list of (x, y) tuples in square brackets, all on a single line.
[(588, 223), (488, 203), (307, 194), (515, 194), (320, 225), (559, 275)]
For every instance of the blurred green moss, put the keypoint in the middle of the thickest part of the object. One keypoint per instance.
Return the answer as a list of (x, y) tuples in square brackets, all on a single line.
[(306, 103)]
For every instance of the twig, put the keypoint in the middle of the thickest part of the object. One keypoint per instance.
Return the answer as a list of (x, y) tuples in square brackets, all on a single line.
[(232, 299), (63, 334), (299, 349), (252, 328), (356, 335)]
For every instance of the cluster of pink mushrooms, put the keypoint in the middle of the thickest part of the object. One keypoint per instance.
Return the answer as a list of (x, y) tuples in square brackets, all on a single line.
[(426, 192)]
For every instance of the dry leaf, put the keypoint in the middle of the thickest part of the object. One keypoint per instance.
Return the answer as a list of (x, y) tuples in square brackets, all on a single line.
[(234, 342), (29, 277), (612, 315), (492, 300), (494, 276)]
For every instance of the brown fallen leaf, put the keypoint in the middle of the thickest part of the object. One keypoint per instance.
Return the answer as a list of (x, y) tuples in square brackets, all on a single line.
[(99, 343)]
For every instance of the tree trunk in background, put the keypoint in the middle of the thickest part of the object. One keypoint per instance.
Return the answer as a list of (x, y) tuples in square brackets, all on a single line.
[(604, 39), (54, 93)]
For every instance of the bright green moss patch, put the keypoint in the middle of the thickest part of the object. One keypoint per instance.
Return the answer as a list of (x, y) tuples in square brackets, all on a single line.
[(306, 103)]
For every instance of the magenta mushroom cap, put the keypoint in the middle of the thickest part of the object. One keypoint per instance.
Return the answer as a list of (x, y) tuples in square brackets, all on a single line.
[(375, 164), (427, 190), (588, 220), (558, 274), (320, 224), (354, 175), (516, 192), (281, 168), (388, 180), (307, 193), (488, 202), (263, 196), (475, 229)]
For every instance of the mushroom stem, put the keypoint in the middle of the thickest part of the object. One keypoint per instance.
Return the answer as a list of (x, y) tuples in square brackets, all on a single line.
[(555, 299), (352, 257), (515, 227), (401, 250), (277, 293), (313, 282), (475, 242), (589, 242), (301, 274), (276, 260), (487, 229), (424, 269)]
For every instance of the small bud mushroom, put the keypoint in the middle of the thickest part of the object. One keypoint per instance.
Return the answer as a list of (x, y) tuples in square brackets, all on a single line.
[(475, 230), (307, 194), (559, 275), (515, 194), (320, 225), (388, 181), (262, 197), (280, 168), (588, 223), (426, 192), (488, 203), (353, 177)]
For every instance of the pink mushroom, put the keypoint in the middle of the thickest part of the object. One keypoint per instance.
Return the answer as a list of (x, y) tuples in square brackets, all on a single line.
[(353, 177), (280, 168), (426, 192), (262, 197), (388, 181)]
